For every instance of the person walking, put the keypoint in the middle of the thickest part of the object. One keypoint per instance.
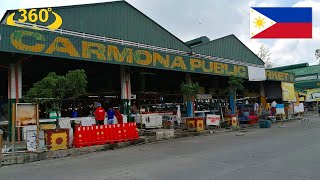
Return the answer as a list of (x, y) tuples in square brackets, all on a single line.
[(100, 115)]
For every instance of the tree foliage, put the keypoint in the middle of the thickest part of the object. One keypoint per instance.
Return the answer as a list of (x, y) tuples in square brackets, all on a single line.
[(317, 54), (53, 89), (76, 82), (235, 84), (190, 90), (265, 55)]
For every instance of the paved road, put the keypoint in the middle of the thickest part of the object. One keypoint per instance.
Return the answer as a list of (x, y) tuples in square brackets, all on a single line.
[(290, 153)]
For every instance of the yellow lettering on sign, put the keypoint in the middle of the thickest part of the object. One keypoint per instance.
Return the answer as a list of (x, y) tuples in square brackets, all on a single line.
[(89, 48), (291, 77), (64, 45), (137, 57), (281, 76), (114, 53), (163, 61), (16, 40), (268, 74), (285, 76), (178, 62), (195, 64), (274, 75), (242, 71), (218, 68), (227, 72), (209, 69)]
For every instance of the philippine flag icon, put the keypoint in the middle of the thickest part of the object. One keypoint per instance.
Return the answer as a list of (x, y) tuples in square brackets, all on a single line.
[(281, 22)]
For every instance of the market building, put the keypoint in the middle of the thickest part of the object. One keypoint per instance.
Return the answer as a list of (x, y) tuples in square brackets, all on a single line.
[(306, 76), (129, 59), (307, 82)]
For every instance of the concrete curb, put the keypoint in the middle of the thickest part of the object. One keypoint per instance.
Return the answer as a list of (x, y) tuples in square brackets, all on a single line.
[(33, 157)]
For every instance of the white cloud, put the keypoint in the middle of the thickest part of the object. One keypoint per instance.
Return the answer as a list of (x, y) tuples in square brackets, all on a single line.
[(289, 51)]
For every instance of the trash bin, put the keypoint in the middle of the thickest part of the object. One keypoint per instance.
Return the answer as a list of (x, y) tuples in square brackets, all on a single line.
[(265, 124)]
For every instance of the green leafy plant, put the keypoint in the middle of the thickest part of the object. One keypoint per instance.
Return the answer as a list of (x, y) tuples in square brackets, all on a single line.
[(76, 82), (190, 90), (235, 84), (53, 89)]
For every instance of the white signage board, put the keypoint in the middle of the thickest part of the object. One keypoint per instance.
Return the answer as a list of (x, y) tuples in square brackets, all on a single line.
[(204, 96), (299, 109), (213, 120), (256, 73), (31, 136)]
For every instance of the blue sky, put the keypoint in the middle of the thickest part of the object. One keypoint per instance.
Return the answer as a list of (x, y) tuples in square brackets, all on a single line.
[(189, 19)]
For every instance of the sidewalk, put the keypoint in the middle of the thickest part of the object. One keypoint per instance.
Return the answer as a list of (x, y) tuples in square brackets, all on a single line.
[(22, 158), (148, 136)]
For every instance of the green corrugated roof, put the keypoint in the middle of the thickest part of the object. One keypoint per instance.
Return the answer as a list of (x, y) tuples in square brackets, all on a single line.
[(294, 66), (305, 70), (197, 41), (119, 20), (308, 84), (229, 47)]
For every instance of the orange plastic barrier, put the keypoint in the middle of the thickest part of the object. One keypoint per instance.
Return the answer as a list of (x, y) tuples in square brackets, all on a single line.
[(125, 131), (111, 132), (135, 131), (102, 134), (78, 136)]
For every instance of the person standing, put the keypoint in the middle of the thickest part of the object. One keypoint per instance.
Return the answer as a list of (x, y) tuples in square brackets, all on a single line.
[(110, 113), (256, 109), (134, 109), (100, 115), (118, 115)]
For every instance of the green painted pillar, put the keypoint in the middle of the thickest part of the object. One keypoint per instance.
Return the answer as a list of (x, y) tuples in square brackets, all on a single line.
[(126, 108)]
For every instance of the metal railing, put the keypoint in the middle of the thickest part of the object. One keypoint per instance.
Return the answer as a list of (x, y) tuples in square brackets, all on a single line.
[(135, 44)]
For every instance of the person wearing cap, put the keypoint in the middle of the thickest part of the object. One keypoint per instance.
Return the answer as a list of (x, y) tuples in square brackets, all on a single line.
[(100, 115)]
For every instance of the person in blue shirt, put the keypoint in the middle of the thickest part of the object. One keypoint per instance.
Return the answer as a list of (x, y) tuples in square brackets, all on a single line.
[(110, 113)]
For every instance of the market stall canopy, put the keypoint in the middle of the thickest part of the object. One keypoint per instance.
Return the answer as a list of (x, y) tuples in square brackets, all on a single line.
[(309, 84)]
